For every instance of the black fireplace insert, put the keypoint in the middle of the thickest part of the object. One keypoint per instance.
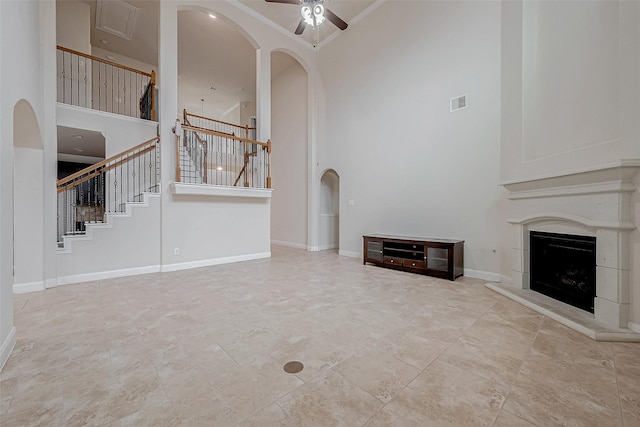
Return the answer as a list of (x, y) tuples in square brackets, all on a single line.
[(563, 267)]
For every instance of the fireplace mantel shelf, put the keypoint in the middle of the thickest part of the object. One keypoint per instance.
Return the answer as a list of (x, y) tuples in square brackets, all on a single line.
[(612, 177)]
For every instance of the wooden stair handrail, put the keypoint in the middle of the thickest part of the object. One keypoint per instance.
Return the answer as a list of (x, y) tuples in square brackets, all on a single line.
[(185, 114), (104, 61), (224, 135), (105, 164)]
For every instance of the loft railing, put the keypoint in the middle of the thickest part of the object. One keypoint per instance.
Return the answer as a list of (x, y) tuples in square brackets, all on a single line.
[(210, 157), (91, 82), (86, 196), (202, 122)]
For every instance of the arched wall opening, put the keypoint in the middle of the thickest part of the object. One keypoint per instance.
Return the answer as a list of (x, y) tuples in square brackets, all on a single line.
[(329, 222), (28, 200), (216, 67), (289, 157)]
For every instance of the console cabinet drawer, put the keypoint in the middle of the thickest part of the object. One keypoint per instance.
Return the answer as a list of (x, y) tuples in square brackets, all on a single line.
[(412, 263), (392, 260)]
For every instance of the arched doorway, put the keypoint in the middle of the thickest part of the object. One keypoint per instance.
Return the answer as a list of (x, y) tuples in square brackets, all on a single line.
[(28, 200), (329, 229)]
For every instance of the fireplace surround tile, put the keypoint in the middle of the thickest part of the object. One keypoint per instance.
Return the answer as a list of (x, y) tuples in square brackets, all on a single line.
[(612, 284)]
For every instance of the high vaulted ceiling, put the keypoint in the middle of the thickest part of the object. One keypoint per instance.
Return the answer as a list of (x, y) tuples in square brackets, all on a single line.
[(288, 16), (202, 41)]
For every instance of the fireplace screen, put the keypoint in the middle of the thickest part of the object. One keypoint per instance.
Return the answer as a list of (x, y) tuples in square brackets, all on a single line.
[(563, 267)]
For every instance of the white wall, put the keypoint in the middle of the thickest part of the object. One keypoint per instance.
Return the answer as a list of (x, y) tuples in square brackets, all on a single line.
[(120, 132), (247, 110), (28, 221), (232, 115), (73, 25), (574, 67), (289, 172), (7, 330), (102, 53), (102, 253), (211, 229), (329, 230), (412, 167), (23, 40)]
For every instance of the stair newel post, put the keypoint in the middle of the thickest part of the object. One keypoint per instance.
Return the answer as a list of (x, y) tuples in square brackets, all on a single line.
[(268, 163), (178, 132)]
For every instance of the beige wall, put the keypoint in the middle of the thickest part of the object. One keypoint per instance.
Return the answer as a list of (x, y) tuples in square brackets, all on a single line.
[(73, 21), (289, 156), (410, 165)]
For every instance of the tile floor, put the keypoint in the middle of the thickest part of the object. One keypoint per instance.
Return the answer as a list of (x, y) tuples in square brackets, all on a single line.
[(206, 347)]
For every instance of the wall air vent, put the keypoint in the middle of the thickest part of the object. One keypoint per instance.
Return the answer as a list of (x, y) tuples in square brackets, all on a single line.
[(116, 17), (458, 103)]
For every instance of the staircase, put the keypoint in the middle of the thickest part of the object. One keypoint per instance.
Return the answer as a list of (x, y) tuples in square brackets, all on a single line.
[(90, 228), (124, 244), (89, 198), (191, 172)]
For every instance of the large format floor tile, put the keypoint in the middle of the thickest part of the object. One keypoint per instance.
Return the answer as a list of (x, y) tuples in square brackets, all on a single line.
[(206, 347)]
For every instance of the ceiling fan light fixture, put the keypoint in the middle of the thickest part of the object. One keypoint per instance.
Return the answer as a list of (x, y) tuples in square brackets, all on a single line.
[(313, 15)]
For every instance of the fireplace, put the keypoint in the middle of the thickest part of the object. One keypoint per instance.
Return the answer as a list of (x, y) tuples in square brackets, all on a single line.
[(563, 267), (595, 206)]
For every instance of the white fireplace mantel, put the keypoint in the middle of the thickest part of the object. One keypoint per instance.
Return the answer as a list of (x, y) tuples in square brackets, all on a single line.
[(591, 202)]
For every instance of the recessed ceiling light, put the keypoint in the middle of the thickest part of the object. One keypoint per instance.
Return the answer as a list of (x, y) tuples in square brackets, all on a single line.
[(79, 150), (219, 168), (240, 89), (212, 16), (111, 57), (77, 136), (103, 41)]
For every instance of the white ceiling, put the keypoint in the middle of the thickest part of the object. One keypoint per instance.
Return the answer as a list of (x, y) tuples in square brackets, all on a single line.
[(80, 142)]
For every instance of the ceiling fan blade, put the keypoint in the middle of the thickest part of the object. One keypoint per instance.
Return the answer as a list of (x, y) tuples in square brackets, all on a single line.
[(284, 1), (301, 26), (335, 20)]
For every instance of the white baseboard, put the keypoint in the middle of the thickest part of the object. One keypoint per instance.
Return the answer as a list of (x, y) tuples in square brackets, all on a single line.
[(506, 279), (634, 327), (88, 277), (214, 261), (51, 283), (482, 275), (289, 244), (350, 254), (327, 247), (23, 288), (7, 347)]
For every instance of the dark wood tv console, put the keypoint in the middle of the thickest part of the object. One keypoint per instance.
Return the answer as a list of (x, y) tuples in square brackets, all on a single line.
[(434, 257)]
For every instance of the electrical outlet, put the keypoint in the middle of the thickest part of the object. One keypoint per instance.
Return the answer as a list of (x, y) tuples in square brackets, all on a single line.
[(351, 203), (176, 251)]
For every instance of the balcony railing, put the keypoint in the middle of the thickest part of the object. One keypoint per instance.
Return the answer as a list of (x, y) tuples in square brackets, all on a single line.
[(210, 157), (202, 122), (106, 187), (91, 82)]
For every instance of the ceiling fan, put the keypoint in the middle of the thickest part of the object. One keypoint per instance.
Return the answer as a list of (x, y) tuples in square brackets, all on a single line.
[(313, 13)]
